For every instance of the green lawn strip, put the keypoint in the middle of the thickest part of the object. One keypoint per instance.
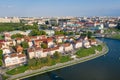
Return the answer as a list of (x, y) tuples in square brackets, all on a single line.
[(17, 70), (81, 53), (4, 77), (22, 69), (116, 35), (1, 37), (65, 65), (86, 52), (65, 59), (51, 69), (0, 62)]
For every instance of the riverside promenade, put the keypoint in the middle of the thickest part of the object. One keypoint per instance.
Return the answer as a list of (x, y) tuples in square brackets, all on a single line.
[(45, 69)]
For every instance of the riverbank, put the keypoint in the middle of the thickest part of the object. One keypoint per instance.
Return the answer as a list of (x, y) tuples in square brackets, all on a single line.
[(58, 66), (112, 33), (112, 38)]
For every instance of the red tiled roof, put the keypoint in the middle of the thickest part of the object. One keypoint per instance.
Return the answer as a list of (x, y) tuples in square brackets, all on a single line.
[(46, 50), (30, 50), (40, 40), (18, 38), (49, 39), (66, 44), (13, 55), (55, 48), (33, 37), (37, 48), (2, 41), (89, 23), (21, 55)]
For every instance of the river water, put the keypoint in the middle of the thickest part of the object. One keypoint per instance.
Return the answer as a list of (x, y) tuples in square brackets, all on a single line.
[(106, 67)]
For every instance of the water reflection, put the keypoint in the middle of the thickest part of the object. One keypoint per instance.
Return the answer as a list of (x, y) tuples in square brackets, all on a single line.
[(54, 76)]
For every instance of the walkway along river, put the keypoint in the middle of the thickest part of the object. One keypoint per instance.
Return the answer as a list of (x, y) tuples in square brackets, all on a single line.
[(106, 67), (58, 66)]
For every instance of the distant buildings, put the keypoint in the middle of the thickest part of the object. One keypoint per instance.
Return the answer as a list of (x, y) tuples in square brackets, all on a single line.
[(44, 45), (10, 20)]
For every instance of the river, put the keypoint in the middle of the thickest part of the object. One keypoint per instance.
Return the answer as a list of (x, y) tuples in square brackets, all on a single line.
[(106, 67)]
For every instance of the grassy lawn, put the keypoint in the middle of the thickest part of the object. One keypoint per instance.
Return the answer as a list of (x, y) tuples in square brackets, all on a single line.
[(116, 34), (4, 77), (1, 37), (39, 63), (65, 59), (98, 48), (86, 52), (0, 62), (17, 70)]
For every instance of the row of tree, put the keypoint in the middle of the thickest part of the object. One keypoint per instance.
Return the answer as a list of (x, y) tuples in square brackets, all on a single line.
[(63, 33), (32, 33), (88, 34), (37, 32), (17, 26), (1, 54), (47, 61)]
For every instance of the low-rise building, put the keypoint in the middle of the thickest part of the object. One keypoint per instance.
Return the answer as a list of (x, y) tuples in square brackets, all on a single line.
[(37, 52), (6, 51), (53, 50), (86, 44), (68, 47), (14, 59), (93, 42), (50, 42), (78, 44)]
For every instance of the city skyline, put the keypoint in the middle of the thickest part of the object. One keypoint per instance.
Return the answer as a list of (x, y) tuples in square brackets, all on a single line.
[(39, 8)]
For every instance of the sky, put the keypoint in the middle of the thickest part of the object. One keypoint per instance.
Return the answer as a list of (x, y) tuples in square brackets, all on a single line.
[(38, 8)]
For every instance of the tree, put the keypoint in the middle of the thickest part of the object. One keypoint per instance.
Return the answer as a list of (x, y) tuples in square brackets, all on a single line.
[(59, 32), (77, 33), (35, 25), (37, 32), (24, 44), (89, 34), (47, 22), (43, 27), (1, 57), (83, 34), (44, 60), (71, 33), (31, 62), (56, 55), (0, 62), (44, 46), (17, 36), (1, 53), (53, 22), (42, 32)]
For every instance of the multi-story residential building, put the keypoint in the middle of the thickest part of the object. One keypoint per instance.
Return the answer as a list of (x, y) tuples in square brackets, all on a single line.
[(86, 44), (9, 20), (68, 47), (78, 44), (14, 59)]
